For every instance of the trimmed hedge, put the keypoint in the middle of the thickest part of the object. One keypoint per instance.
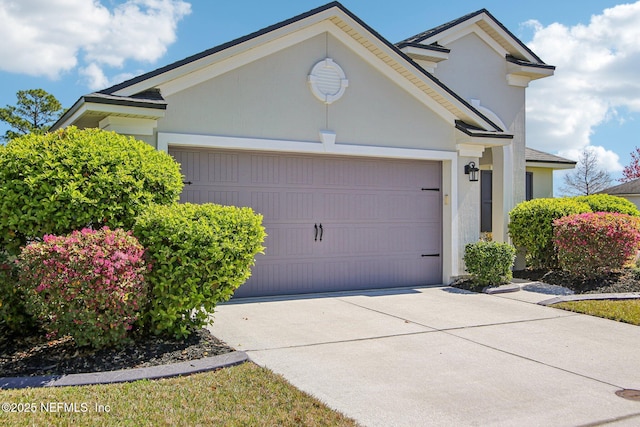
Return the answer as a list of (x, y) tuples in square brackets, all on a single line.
[(489, 263), (70, 179), (531, 227), (609, 203), (200, 254), (89, 285), (593, 243)]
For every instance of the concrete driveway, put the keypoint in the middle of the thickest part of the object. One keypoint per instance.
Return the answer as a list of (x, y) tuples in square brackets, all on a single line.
[(443, 357)]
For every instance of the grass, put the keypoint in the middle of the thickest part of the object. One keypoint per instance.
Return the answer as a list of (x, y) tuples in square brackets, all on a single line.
[(244, 395), (627, 311)]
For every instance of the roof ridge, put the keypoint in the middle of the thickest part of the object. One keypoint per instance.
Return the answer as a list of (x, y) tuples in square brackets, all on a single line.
[(218, 48), (440, 28)]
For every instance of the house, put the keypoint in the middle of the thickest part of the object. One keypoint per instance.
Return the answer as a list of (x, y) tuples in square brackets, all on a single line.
[(629, 190), (363, 156), (539, 168)]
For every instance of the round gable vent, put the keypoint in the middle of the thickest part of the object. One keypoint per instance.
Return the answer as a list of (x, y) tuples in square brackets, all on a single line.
[(328, 81)]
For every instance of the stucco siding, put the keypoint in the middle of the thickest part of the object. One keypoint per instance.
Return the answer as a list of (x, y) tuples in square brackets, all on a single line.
[(475, 71), (542, 182), (270, 98)]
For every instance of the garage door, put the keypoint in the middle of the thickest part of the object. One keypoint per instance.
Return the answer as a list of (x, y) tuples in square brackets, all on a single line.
[(333, 223)]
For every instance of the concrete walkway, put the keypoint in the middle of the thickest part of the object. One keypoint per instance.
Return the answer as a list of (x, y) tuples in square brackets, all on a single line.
[(438, 356)]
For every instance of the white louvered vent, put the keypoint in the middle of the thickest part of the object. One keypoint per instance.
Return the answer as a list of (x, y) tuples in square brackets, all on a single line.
[(328, 81)]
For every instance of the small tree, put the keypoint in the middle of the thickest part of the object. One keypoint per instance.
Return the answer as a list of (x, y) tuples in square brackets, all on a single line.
[(35, 111), (588, 177), (632, 170)]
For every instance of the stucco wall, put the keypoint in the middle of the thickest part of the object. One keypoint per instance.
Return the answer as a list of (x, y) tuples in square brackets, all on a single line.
[(270, 98), (475, 71), (542, 182), (468, 210)]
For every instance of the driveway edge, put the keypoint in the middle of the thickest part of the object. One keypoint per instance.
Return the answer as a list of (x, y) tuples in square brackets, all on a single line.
[(128, 375)]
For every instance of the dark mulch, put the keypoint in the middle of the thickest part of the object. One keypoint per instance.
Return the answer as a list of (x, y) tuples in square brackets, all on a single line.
[(616, 282), (35, 355)]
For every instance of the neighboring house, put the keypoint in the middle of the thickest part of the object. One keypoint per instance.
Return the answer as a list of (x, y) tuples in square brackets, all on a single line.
[(629, 190), (538, 180), (354, 149)]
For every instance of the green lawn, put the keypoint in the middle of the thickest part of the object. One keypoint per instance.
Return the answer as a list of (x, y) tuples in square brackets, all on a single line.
[(627, 311), (244, 395)]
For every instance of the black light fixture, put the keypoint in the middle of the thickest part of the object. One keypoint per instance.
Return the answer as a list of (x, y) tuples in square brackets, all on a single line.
[(472, 171)]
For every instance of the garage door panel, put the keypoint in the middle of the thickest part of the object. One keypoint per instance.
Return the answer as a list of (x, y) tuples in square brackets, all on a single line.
[(265, 170), (300, 171), (377, 223), (299, 241), (299, 206), (222, 168), (268, 203)]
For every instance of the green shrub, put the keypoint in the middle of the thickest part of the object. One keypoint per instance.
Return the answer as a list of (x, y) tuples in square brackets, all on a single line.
[(609, 203), (89, 284), (593, 243), (13, 313), (489, 263), (70, 179), (531, 227), (200, 254)]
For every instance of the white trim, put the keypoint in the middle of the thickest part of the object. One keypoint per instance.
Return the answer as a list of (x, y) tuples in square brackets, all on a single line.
[(165, 139), (475, 29), (327, 137), (549, 165), (115, 110), (425, 54), (488, 114), (469, 150), (328, 81), (449, 159), (462, 29), (128, 125), (518, 80), (450, 221)]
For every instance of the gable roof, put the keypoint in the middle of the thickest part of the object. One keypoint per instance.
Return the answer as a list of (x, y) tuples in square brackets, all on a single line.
[(486, 22), (136, 90), (627, 188)]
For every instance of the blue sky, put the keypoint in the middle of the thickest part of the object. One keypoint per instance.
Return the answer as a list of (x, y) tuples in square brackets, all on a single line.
[(72, 47)]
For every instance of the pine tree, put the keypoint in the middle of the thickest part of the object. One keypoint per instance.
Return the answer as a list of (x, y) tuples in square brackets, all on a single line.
[(34, 112)]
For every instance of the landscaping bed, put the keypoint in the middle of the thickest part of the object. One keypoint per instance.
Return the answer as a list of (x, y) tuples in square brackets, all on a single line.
[(623, 281), (35, 355), (616, 282)]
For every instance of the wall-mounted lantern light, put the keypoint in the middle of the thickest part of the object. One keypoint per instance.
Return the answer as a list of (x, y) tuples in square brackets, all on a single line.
[(472, 171)]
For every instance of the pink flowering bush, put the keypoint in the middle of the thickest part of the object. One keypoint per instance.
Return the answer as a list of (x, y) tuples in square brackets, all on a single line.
[(592, 243), (89, 284)]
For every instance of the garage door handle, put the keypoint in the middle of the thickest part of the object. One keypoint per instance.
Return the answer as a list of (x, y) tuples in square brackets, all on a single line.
[(316, 235), (321, 232)]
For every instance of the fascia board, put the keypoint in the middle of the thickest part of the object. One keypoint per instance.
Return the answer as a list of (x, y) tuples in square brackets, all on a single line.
[(471, 25), (549, 165)]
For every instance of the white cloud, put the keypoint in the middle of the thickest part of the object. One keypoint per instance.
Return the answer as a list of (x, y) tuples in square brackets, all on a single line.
[(52, 37), (596, 76), (607, 159), (95, 79)]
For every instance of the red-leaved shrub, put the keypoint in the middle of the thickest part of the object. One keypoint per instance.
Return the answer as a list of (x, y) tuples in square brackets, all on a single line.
[(595, 243), (89, 284)]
